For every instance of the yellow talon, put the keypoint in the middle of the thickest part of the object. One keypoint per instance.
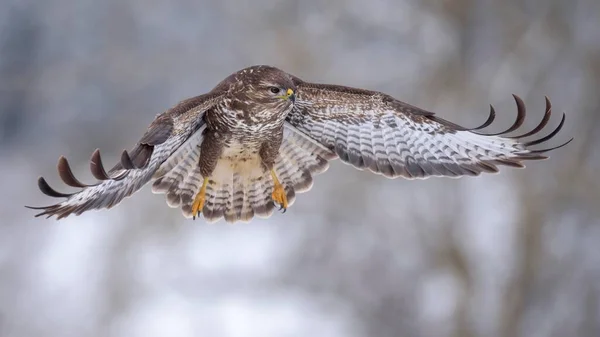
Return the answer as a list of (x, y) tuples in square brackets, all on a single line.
[(279, 195), (198, 204)]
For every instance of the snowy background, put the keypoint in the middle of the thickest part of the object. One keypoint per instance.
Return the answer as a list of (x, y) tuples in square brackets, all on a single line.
[(514, 254)]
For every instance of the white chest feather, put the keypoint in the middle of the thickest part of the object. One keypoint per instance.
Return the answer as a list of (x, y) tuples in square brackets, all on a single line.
[(239, 159)]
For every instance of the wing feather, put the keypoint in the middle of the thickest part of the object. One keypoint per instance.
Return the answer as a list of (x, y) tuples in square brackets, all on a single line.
[(163, 137), (371, 130)]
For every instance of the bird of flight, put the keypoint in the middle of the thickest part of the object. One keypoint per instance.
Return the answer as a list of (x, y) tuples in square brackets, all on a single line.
[(259, 137)]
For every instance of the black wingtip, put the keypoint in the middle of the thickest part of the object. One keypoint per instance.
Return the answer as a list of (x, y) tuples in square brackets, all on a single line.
[(49, 191), (552, 134), (489, 121), (126, 161), (36, 208), (552, 148), (521, 113), (66, 174), (542, 123), (48, 211)]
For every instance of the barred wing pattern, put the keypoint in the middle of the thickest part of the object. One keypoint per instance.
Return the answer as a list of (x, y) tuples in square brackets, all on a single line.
[(367, 129), (374, 131), (137, 167)]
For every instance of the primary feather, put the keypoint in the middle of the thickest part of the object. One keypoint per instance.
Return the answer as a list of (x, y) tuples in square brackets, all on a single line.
[(164, 136), (371, 130)]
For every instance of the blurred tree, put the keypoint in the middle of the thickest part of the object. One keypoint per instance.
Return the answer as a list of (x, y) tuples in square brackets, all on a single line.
[(514, 254)]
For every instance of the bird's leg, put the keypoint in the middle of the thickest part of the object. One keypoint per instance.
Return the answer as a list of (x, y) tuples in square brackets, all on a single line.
[(199, 200), (268, 153), (278, 195), (211, 149)]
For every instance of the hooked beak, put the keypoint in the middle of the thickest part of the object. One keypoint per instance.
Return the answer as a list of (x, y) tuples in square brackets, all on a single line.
[(289, 94)]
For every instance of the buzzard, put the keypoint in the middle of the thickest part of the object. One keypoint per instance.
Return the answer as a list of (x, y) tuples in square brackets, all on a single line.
[(258, 138)]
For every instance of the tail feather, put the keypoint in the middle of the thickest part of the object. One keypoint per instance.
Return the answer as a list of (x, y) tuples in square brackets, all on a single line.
[(223, 201), (246, 213), (292, 169), (175, 182), (179, 171), (188, 150), (259, 196), (235, 202), (289, 176), (190, 188), (171, 175), (217, 196), (239, 197)]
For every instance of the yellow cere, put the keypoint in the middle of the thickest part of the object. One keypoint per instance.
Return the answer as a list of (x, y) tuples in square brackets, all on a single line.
[(290, 92)]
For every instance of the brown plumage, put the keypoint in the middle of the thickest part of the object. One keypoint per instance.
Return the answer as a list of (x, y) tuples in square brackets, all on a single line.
[(261, 125)]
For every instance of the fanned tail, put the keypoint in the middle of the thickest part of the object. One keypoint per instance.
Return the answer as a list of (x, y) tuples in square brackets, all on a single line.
[(238, 197)]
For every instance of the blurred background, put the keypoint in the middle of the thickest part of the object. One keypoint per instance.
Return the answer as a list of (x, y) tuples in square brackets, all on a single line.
[(513, 254)]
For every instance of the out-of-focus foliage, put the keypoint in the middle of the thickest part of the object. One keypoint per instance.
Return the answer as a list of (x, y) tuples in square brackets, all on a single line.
[(514, 254)]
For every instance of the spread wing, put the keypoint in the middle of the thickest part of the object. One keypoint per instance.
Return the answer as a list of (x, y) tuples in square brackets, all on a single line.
[(371, 130), (166, 134)]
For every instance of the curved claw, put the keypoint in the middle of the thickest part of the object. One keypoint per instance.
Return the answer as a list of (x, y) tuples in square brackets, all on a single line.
[(280, 208)]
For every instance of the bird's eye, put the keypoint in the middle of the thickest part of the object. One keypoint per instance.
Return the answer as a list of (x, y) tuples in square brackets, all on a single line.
[(274, 90)]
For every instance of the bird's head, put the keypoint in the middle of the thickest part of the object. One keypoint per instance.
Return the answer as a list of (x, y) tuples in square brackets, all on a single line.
[(264, 87)]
